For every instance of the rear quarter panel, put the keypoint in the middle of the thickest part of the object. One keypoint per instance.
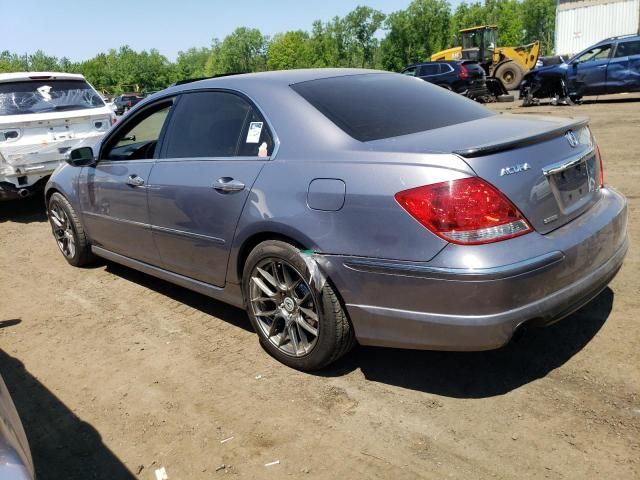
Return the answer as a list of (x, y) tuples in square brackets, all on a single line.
[(370, 222)]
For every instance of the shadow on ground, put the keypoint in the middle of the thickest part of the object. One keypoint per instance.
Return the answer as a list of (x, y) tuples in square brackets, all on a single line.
[(223, 311), (482, 374), (62, 445), (25, 210)]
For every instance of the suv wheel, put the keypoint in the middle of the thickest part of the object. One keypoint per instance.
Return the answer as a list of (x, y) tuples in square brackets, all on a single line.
[(301, 324)]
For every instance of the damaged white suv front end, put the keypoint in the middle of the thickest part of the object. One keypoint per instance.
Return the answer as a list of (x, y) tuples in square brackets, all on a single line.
[(43, 115)]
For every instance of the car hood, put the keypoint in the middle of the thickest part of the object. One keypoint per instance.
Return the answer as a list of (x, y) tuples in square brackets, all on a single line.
[(559, 69)]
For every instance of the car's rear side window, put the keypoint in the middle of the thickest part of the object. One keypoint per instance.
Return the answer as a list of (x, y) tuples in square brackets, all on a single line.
[(216, 124), (628, 49), (382, 105)]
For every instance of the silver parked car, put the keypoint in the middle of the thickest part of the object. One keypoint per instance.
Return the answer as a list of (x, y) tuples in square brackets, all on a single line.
[(344, 205), (15, 456)]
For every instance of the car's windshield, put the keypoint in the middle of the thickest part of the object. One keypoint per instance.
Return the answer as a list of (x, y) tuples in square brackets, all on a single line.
[(41, 96)]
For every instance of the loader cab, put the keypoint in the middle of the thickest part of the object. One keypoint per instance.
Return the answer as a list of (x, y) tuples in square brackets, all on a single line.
[(479, 43)]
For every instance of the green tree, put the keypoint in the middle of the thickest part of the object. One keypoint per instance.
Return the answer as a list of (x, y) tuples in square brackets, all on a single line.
[(362, 25), (415, 33), (290, 50), (191, 63), (244, 50), (539, 22)]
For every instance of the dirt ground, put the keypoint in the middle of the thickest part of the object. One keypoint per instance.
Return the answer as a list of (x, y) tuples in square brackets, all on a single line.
[(116, 374)]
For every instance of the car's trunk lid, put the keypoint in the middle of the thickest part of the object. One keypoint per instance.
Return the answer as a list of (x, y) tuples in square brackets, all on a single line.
[(534, 161)]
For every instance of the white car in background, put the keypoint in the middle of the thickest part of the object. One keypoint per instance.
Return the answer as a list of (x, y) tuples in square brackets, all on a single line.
[(43, 115)]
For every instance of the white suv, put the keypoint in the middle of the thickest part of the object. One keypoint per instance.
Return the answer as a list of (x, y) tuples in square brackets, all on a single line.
[(43, 115)]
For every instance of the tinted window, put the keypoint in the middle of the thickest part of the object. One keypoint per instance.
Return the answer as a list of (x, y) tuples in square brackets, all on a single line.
[(139, 136), (255, 140), (382, 105), (626, 49), (430, 69), (39, 96), (411, 71), (207, 124)]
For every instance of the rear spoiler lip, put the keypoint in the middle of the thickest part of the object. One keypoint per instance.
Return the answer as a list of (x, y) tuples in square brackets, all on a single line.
[(483, 150)]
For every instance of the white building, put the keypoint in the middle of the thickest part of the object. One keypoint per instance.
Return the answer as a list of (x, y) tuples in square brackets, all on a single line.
[(580, 23)]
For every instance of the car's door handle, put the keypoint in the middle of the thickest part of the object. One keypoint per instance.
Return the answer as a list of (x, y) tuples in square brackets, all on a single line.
[(135, 180), (228, 184), (602, 66)]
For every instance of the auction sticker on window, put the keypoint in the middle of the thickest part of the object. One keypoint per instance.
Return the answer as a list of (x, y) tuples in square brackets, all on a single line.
[(255, 129)]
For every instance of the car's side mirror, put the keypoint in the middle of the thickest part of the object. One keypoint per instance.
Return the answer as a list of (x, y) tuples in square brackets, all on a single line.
[(81, 157)]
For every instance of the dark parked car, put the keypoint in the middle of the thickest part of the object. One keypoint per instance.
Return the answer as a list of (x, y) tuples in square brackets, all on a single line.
[(459, 76), (610, 66), (124, 102), (340, 205)]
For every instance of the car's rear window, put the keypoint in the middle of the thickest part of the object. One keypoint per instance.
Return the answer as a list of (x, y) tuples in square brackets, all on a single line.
[(382, 105), (41, 96)]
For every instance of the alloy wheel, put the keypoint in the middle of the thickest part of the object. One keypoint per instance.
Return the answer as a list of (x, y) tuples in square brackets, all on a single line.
[(62, 230), (284, 306)]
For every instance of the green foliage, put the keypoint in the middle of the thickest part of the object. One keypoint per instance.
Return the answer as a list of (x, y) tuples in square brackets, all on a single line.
[(244, 50), (539, 23), (290, 50), (411, 35), (415, 33), (361, 26)]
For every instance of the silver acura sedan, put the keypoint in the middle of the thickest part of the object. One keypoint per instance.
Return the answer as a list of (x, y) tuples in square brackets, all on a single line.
[(15, 456), (348, 205)]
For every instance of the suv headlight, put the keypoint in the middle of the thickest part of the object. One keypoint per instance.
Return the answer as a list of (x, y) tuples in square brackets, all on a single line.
[(10, 135)]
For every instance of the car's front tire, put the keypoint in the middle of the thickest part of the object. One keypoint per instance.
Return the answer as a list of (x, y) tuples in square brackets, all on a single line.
[(294, 310), (68, 231)]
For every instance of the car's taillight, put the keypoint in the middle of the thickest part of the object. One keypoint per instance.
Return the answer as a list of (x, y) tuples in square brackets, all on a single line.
[(464, 73), (114, 119), (601, 166), (129, 103), (468, 211)]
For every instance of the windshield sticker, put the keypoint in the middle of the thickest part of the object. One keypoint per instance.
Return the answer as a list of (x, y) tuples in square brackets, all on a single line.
[(255, 129)]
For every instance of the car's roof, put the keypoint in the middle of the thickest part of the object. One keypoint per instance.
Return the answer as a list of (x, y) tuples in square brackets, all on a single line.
[(26, 76), (279, 77), (622, 38), (450, 62)]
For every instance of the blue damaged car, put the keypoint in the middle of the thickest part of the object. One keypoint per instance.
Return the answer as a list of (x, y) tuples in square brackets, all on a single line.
[(610, 66)]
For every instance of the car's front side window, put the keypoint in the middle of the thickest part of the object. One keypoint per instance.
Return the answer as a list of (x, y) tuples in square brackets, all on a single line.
[(216, 124), (139, 137), (597, 53)]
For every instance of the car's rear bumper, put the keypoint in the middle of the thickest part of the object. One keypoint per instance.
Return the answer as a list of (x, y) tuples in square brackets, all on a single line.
[(430, 306)]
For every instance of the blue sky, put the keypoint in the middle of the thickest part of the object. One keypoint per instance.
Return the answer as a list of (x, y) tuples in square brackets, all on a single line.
[(80, 29)]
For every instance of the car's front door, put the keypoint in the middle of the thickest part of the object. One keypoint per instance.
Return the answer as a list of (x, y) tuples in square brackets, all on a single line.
[(114, 191), (623, 72), (587, 74), (215, 146)]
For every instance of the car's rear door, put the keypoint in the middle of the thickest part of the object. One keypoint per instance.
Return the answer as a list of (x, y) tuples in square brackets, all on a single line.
[(623, 72), (216, 144), (113, 193)]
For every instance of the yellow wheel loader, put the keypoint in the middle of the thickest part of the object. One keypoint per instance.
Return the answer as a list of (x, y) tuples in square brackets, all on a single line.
[(507, 64)]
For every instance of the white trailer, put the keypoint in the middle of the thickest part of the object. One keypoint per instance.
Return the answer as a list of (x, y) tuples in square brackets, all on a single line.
[(581, 23)]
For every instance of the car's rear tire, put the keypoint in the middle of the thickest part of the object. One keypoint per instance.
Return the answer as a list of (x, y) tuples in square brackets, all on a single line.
[(295, 312), (69, 232)]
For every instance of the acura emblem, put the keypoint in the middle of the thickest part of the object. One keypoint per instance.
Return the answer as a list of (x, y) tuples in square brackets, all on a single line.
[(571, 138)]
